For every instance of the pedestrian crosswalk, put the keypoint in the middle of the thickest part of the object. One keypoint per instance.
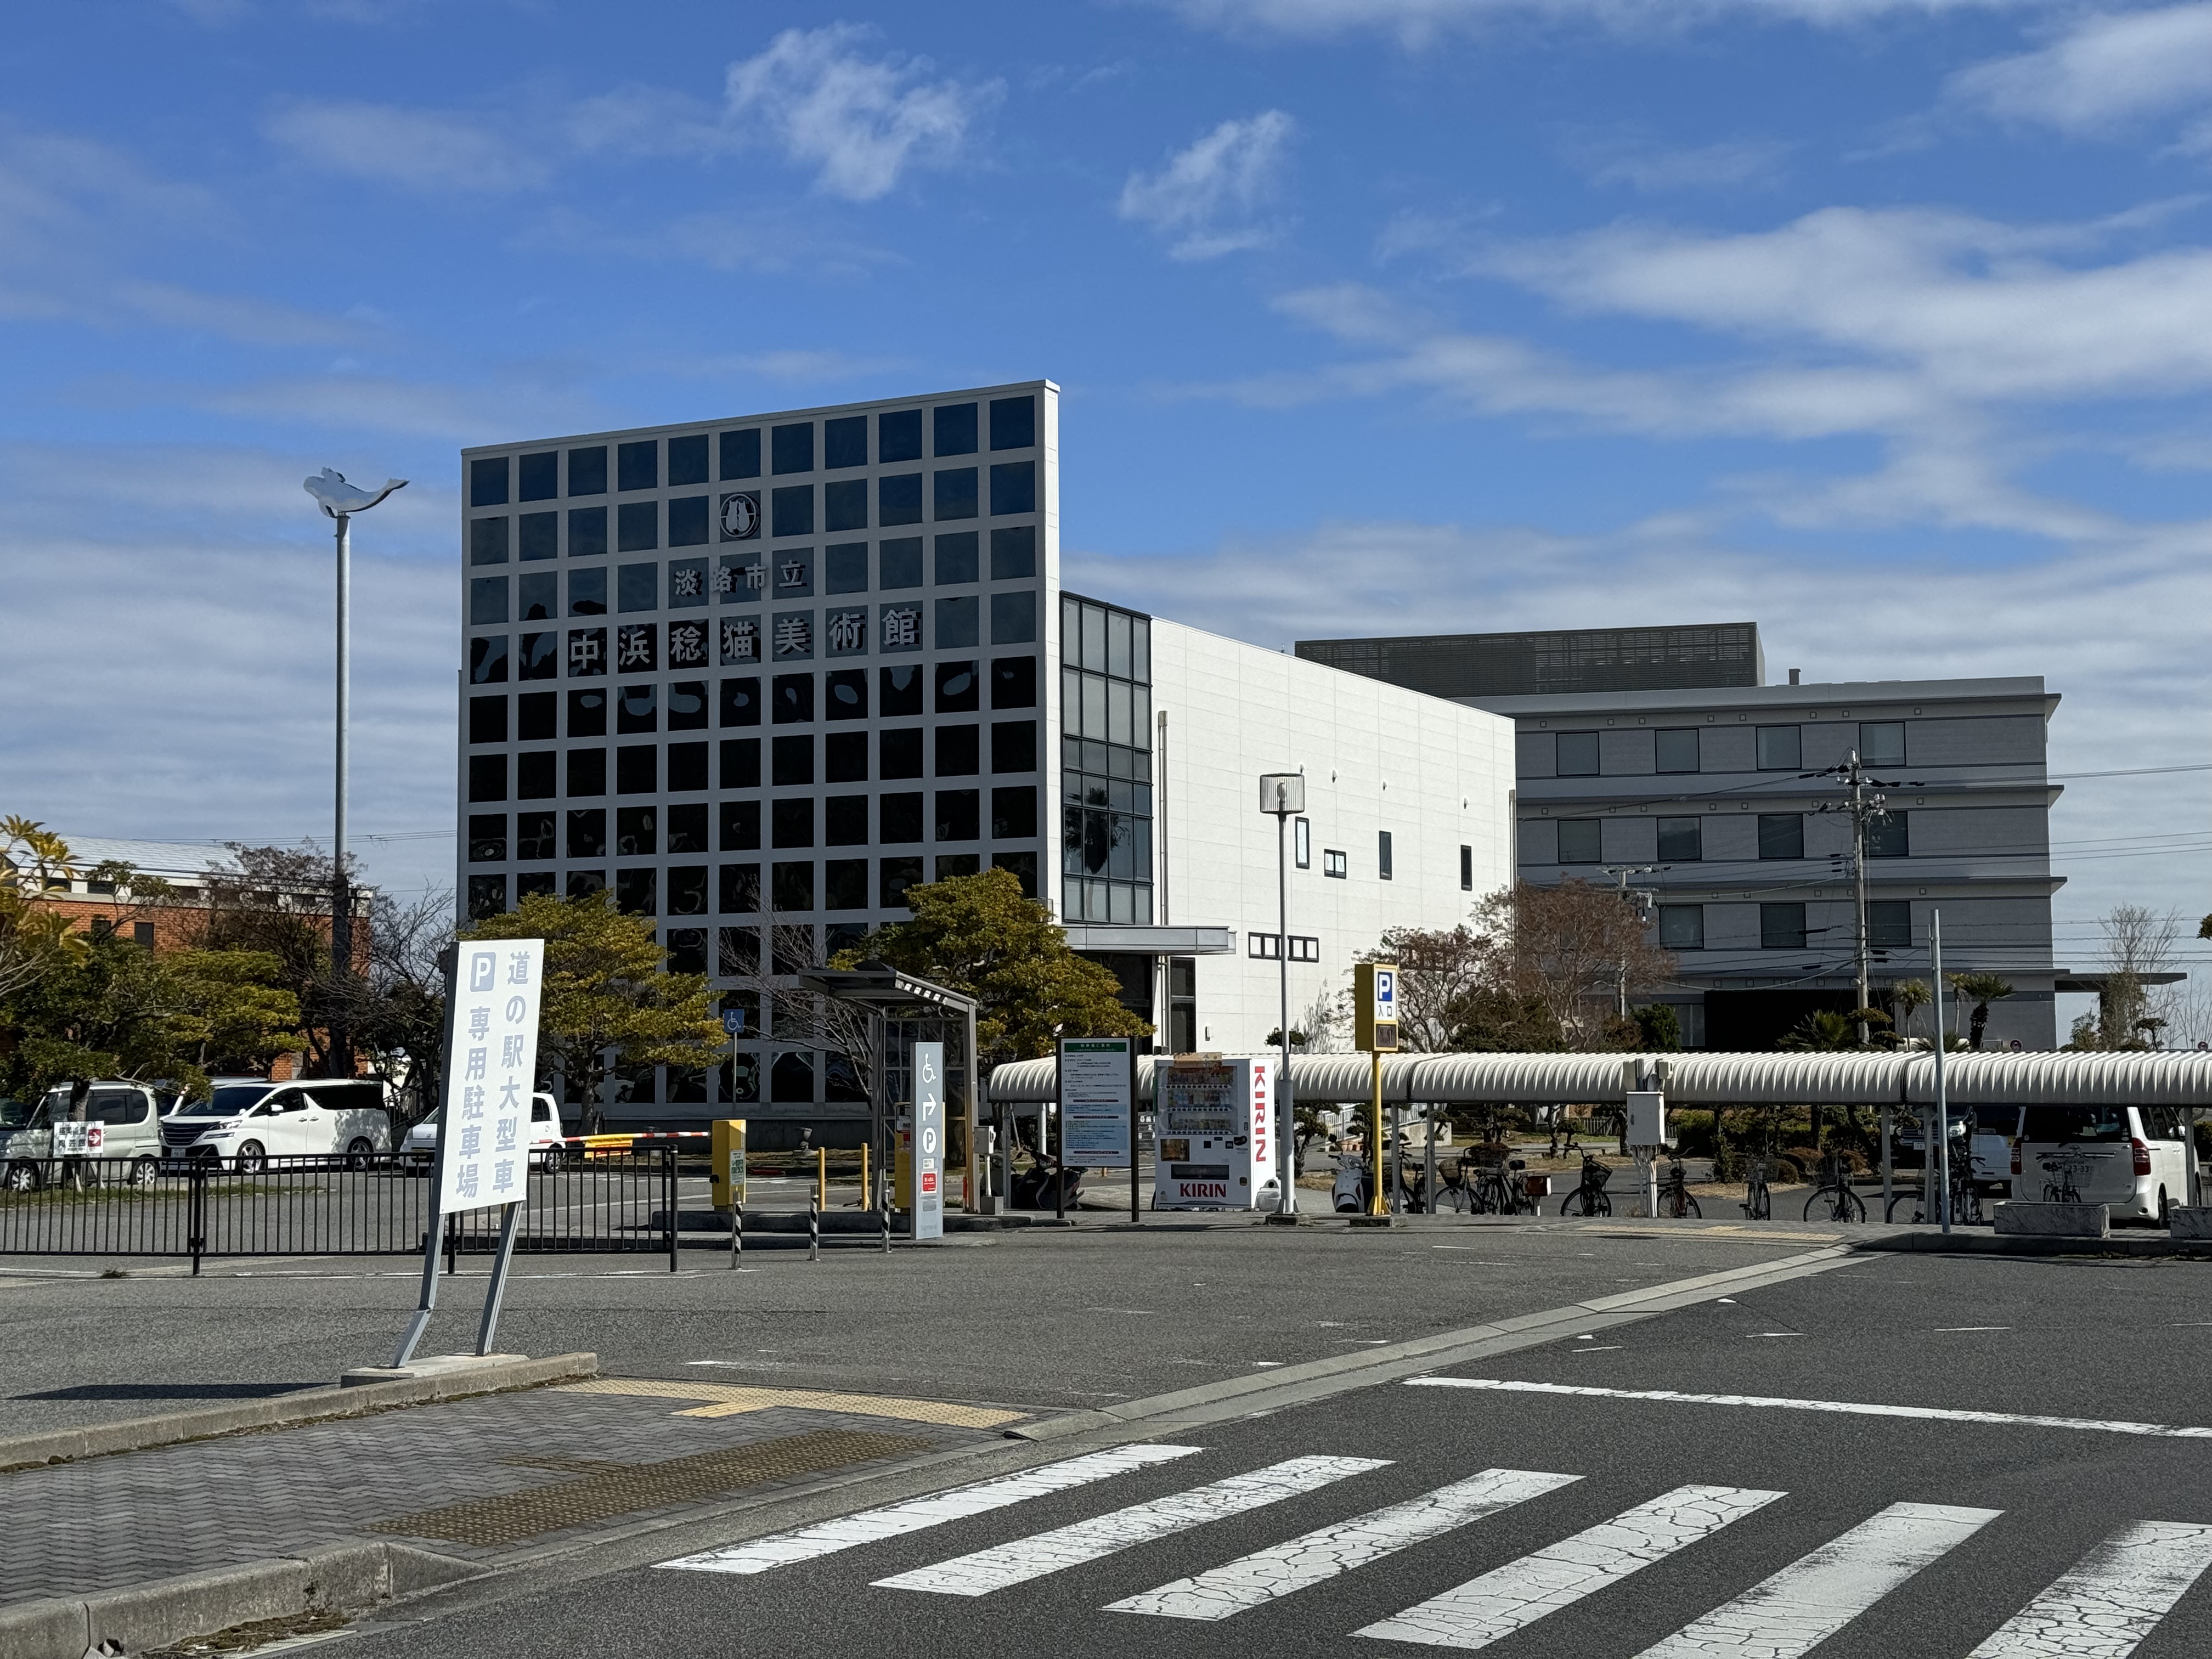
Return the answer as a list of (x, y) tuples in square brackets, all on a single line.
[(2103, 1605)]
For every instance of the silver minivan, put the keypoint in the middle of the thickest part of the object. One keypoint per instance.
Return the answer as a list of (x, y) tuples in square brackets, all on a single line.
[(2135, 1158), (121, 1129)]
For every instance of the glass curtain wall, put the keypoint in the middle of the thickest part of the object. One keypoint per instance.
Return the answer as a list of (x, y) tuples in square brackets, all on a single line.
[(1106, 762)]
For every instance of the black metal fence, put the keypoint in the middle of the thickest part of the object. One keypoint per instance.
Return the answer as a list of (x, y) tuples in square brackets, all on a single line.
[(614, 1200)]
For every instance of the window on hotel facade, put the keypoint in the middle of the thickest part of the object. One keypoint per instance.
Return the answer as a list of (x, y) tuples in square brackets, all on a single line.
[(1302, 842), (1779, 749), (1577, 755), (1881, 743), (1682, 927), (1106, 871), (1334, 863), (1675, 750)]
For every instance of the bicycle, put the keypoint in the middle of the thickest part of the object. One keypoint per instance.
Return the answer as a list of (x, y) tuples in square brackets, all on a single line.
[(1966, 1195), (1758, 1203), (1843, 1204), (2058, 1172), (1589, 1197), (1674, 1198)]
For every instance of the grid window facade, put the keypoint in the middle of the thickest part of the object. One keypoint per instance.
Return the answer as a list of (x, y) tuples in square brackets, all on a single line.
[(1106, 762)]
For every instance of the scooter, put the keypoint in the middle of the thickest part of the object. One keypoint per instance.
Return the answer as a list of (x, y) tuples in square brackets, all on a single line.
[(1352, 1187), (1033, 1187)]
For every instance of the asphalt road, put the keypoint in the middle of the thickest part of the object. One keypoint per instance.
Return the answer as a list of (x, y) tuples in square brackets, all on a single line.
[(2021, 1539)]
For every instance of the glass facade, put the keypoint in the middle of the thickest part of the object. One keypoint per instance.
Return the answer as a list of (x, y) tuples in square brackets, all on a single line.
[(1106, 762)]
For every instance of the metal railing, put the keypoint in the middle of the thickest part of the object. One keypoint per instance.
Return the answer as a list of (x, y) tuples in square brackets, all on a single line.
[(605, 1201)]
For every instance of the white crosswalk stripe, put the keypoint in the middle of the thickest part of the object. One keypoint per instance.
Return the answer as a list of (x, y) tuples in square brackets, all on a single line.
[(1024, 1558), (872, 1526), (2104, 1605), (1816, 1595), (1483, 1609), (1321, 1554)]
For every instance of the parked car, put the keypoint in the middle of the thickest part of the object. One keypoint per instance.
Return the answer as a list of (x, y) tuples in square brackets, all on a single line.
[(248, 1120), (2135, 1158), (121, 1127), (421, 1147)]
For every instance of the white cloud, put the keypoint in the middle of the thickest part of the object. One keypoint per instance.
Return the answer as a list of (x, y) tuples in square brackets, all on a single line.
[(2104, 70), (1207, 196), (419, 149), (1418, 23), (1642, 165)]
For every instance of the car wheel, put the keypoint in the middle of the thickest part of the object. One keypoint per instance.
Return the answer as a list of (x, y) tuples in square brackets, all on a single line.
[(2165, 1209), (145, 1172), (359, 1151), (252, 1158), (22, 1178)]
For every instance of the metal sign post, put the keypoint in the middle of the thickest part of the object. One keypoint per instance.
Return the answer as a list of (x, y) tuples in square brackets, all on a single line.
[(492, 991), (1374, 1028), (1098, 1104), (928, 1200)]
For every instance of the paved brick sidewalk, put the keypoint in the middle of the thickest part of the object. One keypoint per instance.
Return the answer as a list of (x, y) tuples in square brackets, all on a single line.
[(473, 1479)]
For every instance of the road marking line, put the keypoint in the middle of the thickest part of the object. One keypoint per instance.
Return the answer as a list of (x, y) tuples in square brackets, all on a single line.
[(1942, 1329), (895, 1520), (1847, 1407), (2104, 1605), (735, 1399), (1479, 1612), (1297, 1562), (1025, 1558), (1816, 1595)]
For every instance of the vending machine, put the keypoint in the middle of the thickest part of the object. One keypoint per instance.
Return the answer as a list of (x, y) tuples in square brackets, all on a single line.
[(1215, 1123)]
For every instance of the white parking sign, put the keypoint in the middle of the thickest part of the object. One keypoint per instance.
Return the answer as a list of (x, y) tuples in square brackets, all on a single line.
[(491, 1066), (929, 1140)]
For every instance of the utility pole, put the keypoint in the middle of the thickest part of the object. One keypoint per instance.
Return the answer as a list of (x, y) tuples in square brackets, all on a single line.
[(1864, 809), (1621, 873)]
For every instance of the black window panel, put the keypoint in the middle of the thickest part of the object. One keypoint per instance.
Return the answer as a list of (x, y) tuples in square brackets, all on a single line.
[(900, 690), (587, 470), (1014, 813), (845, 568), (1013, 422), (487, 481), (791, 822), (1014, 683), (587, 772), (845, 885), (538, 478), (792, 446), (898, 501), (845, 441), (1780, 748), (898, 753), (687, 768), (587, 714), (534, 836), (845, 757), (1889, 837), (487, 720), (1013, 488), (741, 764), (487, 838), (740, 891), (791, 891), (687, 705), (956, 562), (636, 889), (738, 952), (740, 828), (540, 535), (957, 691), (1384, 862), (1682, 927), (1576, 756), (791, 761), (687, 896), (687, 522), (637, 832), (959, 815), (587, 538), (741, 700), (790, 510), (534, 776), (538, 658), (1014, 552), (1781, 835), (488, 660), (1680, 840), (954, 494), (1676, 749), (487, 896), (896, 876), (1088, 836), (637, 529), (899, 818), (1782, 927), (587, 832), (537, 596), (637, 769), (487, 599), (487, 777), (845, 821), (898, 436), (534, 881), (845, 505), (792, 697), (637, 708), (740, 453), (845, 694), (1582, 841), (582, 884), (1013, 617), (1013, 746), (487, 541), (687, 827), (637, 465), (958, 751), (687, 460), (955, 429), (1889, 924), (687, 954), (1022, 867), (950, 865), (536, 713), (1466, 865)]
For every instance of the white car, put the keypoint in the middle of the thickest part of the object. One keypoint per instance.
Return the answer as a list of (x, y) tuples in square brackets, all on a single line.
[(247, 1123), (545, 1134), (2135, 1158)]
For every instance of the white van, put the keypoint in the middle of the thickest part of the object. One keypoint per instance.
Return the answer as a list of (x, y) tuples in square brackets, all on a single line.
[(420, 1149), (2135, 1158), (121, 1132), (246, 1123)]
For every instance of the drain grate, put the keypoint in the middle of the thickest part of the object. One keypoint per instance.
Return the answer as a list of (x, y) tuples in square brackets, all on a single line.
[(620, 1489)]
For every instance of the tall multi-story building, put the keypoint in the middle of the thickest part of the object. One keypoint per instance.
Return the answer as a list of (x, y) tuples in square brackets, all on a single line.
[(761, 675), (1721, 798)]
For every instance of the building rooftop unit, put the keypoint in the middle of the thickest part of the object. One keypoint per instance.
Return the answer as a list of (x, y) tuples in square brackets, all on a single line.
[(1564, 660)]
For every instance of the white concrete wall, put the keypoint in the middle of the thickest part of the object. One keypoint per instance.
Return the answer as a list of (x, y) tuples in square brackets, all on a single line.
[(1437, 776)]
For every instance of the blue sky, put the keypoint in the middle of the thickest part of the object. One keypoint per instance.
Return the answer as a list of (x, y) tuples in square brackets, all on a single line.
[(1887, 324)]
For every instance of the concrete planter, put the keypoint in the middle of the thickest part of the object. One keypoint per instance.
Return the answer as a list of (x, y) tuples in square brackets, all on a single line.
[(2190, 1223), (2054, 1220)]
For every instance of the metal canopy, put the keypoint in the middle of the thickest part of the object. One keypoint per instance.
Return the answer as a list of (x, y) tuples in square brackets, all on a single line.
[(880, 986)]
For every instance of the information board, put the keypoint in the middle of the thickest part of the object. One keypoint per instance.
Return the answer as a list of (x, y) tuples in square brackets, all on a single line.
[(483, 1138), (1214, 1122), (928, 1140), (1097, 1098)]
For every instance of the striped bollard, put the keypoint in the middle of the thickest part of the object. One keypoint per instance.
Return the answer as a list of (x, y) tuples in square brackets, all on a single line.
[(737, 1233), (813, 1229)]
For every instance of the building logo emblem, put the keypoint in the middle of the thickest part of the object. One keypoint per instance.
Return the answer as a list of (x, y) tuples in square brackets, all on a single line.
[(740, 516)]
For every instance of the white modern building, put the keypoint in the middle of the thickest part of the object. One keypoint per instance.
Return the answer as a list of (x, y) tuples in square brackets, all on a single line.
[(760, 675)]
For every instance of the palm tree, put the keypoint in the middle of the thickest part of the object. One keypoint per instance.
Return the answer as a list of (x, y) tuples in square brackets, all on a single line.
[(1909, 996), (1980, 989)]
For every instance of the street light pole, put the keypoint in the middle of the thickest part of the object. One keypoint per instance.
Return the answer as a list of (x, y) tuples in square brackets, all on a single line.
[(1283, 793), (1622, 872)]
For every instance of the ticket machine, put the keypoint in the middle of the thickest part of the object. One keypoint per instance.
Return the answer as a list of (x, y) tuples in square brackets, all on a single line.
[(1215, 1118)]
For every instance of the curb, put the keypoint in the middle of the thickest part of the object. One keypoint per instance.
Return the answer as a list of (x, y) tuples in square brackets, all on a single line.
[(866, 1222), (341, 1578), (285, 1411), (1980, 1243)]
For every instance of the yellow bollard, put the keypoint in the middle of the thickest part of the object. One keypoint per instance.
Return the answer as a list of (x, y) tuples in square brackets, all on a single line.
[(822, 1177), (867, 1193)]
